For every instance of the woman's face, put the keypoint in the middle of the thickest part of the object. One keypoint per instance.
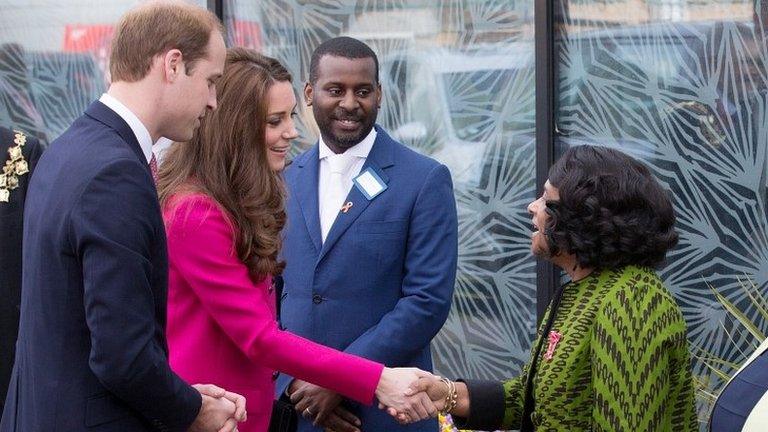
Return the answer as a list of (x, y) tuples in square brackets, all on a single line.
[(539, 217), (279, 130)]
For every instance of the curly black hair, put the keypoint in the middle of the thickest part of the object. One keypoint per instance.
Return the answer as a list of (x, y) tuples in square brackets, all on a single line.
[(612, 212)]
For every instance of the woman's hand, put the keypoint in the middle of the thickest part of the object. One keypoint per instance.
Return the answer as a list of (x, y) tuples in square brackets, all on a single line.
[(433, 386), (392, 394), (437, 389), (430, 386)]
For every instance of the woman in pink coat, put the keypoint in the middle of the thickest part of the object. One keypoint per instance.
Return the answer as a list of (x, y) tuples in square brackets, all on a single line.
[(222, 199)]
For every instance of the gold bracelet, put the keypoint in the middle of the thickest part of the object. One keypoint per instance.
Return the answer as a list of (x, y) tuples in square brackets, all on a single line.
[(451, 399)]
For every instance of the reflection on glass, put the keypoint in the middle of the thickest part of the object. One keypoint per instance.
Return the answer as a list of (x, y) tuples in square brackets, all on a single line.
[(458, 85), (54, 61), (683, 86)]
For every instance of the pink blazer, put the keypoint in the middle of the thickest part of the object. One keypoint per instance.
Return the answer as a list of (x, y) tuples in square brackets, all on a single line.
[(221, 324)]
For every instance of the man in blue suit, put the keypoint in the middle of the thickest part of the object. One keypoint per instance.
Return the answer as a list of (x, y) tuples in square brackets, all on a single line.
[(91, 353), (371, 243)]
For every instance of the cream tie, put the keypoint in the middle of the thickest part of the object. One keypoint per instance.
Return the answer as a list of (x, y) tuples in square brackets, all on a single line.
[(336, 193)]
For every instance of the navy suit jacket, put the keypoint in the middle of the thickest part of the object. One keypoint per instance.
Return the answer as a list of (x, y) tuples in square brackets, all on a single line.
[(381, 285), (91, 353)]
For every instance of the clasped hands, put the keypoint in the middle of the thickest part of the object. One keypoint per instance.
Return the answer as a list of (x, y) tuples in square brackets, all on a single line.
[(220, 411), (408, 394)]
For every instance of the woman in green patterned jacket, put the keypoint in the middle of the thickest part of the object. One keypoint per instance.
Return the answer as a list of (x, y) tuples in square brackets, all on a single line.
[(611, 353)]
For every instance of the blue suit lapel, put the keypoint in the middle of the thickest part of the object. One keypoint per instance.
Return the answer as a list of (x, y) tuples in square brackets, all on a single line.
[(306, 194), (379, 158)]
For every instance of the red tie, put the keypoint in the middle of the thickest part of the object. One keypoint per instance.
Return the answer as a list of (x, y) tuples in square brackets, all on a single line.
[(153, 168)]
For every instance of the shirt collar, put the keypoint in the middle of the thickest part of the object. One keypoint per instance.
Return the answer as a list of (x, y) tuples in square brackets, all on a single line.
[(138, 128), (361, 149)]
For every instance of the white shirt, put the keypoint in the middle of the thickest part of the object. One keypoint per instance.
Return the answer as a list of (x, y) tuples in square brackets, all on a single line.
[(138, 128), (333, 188), (161, 146)]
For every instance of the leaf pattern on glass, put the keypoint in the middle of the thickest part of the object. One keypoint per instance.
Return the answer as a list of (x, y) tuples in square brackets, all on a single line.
[(688, 94), (458, 84)]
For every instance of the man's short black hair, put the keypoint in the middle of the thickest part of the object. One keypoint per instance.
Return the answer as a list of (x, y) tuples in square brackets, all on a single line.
[(342, 46)]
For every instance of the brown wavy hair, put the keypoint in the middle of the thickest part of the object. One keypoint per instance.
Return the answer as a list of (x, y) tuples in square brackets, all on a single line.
[(227, 160)]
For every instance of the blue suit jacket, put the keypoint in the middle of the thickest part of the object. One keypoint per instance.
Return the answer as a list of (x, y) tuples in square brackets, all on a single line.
[(91, 353), (381, 285), (743, 403)]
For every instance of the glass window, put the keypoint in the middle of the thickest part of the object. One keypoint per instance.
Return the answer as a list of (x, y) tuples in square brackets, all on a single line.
[(458, 85), (683, 86), (54, 61)]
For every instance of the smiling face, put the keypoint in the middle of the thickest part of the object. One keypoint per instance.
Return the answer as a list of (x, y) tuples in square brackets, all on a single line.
[(539, 218), (345, 100), (279, 130)]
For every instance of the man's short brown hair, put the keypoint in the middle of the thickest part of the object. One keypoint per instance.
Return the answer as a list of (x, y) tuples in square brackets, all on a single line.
[(155, 28)]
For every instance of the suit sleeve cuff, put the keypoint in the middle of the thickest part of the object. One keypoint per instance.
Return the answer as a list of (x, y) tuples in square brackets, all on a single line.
[(282, 385), (189, 407), (486, 406)]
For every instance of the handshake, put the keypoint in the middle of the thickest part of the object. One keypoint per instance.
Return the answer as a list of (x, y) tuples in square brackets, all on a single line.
[(407, 394)]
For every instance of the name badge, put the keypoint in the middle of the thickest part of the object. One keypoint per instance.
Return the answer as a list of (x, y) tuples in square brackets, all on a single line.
[(370, 184)]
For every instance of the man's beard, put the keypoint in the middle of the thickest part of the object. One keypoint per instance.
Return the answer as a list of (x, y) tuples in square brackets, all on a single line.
[(346, 141)]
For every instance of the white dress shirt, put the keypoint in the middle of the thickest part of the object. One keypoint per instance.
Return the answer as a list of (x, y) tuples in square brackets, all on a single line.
[(336, 174), (160, 148), (138, 128)]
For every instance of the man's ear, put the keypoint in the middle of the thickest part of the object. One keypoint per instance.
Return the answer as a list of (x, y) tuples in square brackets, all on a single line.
[(308, 90), (378, 95), (173, 65)]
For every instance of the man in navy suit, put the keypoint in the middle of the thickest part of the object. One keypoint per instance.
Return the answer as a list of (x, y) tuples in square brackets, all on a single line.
[(371, 246), (19, 154), (91, 352)]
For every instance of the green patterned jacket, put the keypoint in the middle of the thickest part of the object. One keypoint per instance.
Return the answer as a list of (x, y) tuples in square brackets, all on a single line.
[(621, 363)]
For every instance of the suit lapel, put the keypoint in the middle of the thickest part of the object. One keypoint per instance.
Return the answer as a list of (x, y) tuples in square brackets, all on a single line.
[(101, 113), (306, 194), (379, 158)]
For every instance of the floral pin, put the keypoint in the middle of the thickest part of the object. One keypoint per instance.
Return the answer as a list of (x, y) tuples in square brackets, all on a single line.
[(554, 338), (14, 167)]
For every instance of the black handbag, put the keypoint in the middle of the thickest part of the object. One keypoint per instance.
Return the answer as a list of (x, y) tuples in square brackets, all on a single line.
[(284, 417)]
